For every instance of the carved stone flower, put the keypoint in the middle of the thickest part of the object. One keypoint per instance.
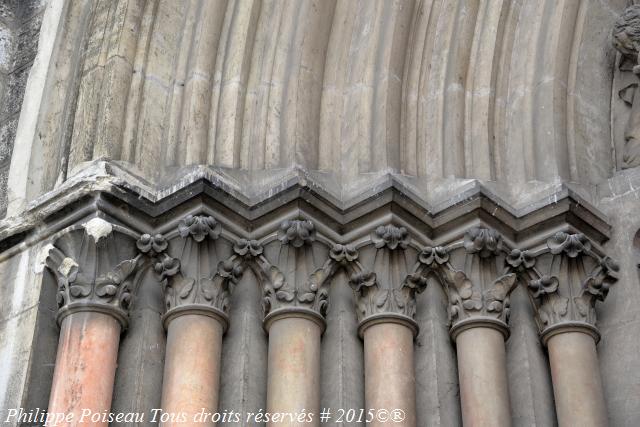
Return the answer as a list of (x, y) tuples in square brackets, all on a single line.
[(495, 306), (472, 304), (483, 241), (544, 285), (598, 288), (297, 232), (391, 236), (416, 282), (247, 248), (230, 270), (429, 255), (108, 285), (342, 253), (609, 266), (79, 284), (275, 290), (518, 258), (598, 284), (152, 244), (199, 227), (497, 297), (276, 278), (167, 267), (362, 280), (571, 244)]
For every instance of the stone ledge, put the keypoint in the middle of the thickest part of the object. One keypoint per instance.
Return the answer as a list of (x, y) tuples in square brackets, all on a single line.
[(108, 189)]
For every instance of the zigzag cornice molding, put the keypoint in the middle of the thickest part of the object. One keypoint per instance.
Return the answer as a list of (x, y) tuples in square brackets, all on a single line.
[(106, 186)]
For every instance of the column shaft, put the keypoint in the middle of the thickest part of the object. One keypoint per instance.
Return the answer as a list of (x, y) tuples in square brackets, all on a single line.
[(577, 385), (85, 366), (482, 372), (294, 369), (192, 368), (389, 371)]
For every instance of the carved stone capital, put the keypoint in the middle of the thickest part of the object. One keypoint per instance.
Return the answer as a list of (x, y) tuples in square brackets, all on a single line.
[(295, 279), (476, 280), (196, 276), (94, 265), (386, 289), (565, 279)]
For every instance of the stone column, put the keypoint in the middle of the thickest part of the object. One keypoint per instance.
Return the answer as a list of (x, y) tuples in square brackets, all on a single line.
[(577, 386), (389, 374), (94, 284), (294, 303), (568, 279), (482, 373), (197, 286), (385, 297), (478, 285), (192, 366), (293, 382)]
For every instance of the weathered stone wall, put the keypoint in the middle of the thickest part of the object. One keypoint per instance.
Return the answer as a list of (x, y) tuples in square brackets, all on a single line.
[(19, 31), (508, 92)]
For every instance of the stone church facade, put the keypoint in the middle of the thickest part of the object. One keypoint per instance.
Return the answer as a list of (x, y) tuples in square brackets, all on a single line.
[(402, 212)]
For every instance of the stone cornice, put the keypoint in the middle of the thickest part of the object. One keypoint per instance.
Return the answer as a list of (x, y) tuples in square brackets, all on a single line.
[(297, 194)]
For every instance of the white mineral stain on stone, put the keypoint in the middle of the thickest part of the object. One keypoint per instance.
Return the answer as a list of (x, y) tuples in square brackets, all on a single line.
[(98, 228), (66, 265)]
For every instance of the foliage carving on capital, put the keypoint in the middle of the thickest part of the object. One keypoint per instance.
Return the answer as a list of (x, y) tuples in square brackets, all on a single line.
[(391, 237), (248, 248), (297, 276), (199, 227), (297, 232), (343, 254), (566, 280), (388, 286), (485, 242), (474, 275), (191, 270), (94, 265)]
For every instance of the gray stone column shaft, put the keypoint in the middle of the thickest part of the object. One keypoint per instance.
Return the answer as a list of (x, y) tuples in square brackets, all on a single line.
[(293, 382), (389, 372), (484, 390), (192, 368), (577, 385)]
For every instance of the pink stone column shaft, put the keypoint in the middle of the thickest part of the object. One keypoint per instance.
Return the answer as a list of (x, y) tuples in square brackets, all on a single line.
[(85, 366), (293, 383), (577, 385), (192, 368), (389, 371), (482, 372)]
